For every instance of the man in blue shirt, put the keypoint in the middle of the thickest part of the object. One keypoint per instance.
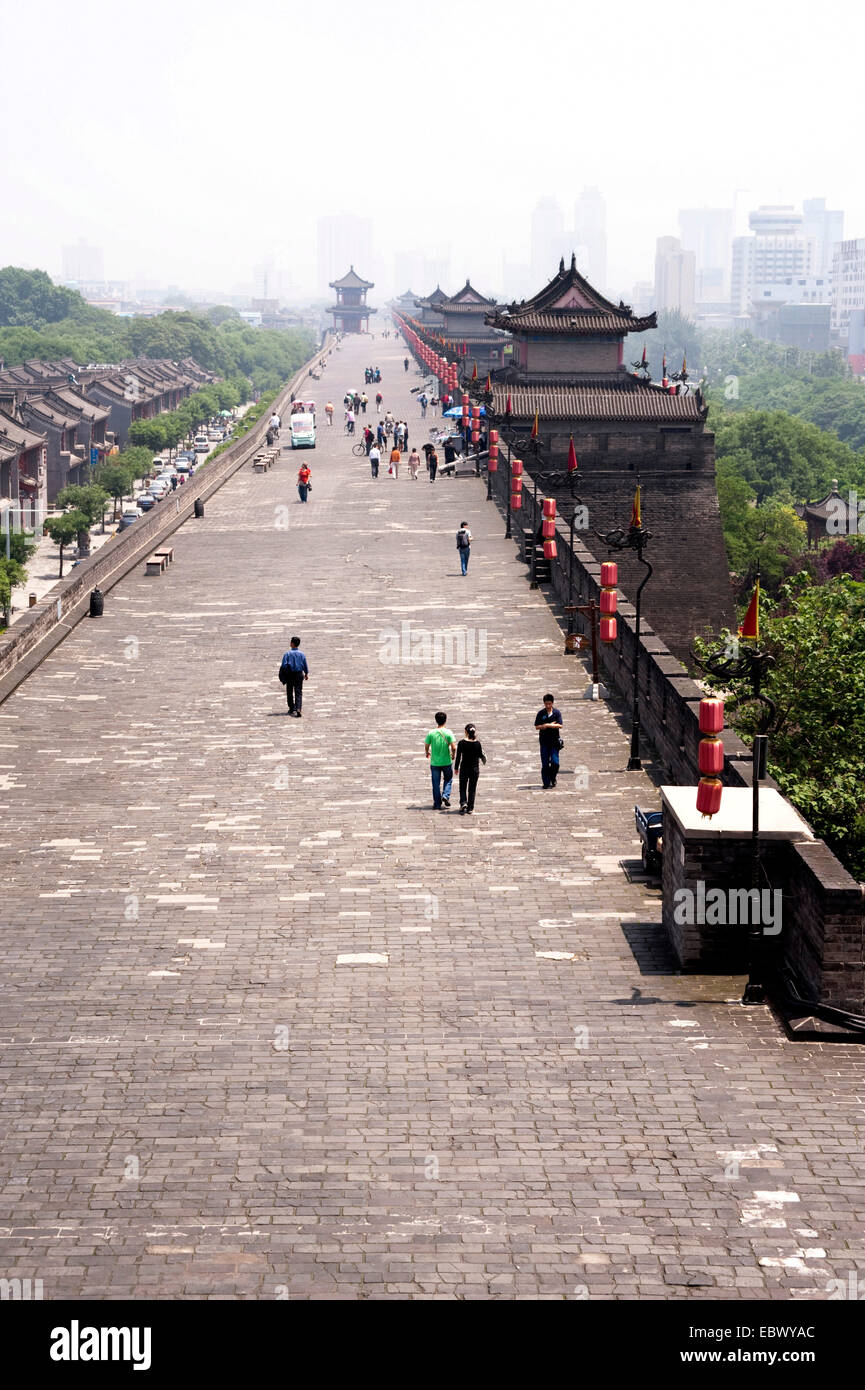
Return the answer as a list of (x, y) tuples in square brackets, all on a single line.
[(297, 671), (548, 722)]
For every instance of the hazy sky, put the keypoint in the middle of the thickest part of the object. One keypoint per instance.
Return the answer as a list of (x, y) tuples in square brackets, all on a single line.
[(192, 139)]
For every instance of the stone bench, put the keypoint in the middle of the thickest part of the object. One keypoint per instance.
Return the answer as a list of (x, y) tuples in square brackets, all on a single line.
[(165, 552), (155, 564)]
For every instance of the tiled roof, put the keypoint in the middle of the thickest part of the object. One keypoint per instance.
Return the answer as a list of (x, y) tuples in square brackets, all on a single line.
[(601, 399), (436, 297), (571, 322), (11, 432), (88, 409), (46, 411), (570, 306), (351, 281), (468, 298)]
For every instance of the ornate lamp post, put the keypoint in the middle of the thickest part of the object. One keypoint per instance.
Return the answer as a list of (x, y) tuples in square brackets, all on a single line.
[(636, 538), (751, 663)]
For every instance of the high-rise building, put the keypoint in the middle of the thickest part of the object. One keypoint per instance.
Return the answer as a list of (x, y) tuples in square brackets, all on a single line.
[(343, 239), (674, 276), (590, 235), (777, 250), (848, 283), (548, 236), (827, 229), (83, 262), (708, 233)]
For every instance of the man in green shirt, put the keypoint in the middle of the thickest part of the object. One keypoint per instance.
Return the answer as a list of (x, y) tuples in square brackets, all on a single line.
[(439, 745)]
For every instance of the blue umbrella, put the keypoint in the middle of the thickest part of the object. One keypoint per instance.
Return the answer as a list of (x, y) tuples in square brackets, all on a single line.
[(458, 410)]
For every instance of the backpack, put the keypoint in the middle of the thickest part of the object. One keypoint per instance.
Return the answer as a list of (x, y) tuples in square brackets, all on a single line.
[(283, 672), (463, 541)]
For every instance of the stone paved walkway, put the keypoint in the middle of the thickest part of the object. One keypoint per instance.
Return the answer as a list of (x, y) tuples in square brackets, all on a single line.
[(206, 1094)]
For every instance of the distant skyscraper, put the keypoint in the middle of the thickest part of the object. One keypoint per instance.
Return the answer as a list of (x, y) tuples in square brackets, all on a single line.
[(848, 283), (83, 262), (778, 251), (548, 239), (674, 276), (343, 240), (590, 232), (708, 233), (827, 229)]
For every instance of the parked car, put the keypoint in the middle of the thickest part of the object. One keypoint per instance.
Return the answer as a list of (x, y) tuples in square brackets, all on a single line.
[(185, 469), (127, 520), (144, 501), (158, 490)]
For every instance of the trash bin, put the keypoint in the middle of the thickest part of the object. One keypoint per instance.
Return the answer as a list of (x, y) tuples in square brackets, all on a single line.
[(199, 507), (32, 598), (97, 603)]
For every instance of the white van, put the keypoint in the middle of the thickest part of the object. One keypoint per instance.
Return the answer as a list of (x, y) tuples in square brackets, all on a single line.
[(302, 431), (202, 444)]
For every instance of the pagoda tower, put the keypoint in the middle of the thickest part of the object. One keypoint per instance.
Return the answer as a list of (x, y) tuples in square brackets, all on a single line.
[(351, 311)]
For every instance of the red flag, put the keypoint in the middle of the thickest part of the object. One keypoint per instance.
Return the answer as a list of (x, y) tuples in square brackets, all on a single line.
[(751, 624), (508, 406), (489, 384), (535, 426), (474, 371), (643, 363), (684, 365), (636, 513), (572, 456)]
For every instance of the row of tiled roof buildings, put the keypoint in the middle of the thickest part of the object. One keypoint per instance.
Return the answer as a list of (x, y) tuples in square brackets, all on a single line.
[(56, 418), (561, 355)]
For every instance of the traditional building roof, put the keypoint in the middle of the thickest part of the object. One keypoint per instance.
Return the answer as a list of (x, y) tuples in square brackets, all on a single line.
[(568, 306), (14, 434), (832, 505), (433, 300), (45, 411), (69, 397), (627, 398), (466, 300), (351, 281)]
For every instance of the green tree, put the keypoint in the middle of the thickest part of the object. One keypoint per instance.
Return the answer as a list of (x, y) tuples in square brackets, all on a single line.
[(117, 480), (816, 634), (12, 573), (151, 434), (64, 529)]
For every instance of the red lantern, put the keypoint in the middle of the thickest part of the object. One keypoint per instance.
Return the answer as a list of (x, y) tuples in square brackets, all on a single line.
[(549, 528), (549, 506), (711, 716), (476, 412), (516, 501), (608, 629), (493, 465), (517, 467), (711, 754), (609, 601), (494, 451), (476, 436), (494, 437), (516, 484), (709, 796), (610, 574), (549, 550)]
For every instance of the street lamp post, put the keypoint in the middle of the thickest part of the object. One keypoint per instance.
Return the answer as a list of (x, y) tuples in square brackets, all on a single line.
[(636, 538)]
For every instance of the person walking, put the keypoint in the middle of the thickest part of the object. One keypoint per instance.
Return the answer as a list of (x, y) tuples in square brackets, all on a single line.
[(438, 746), (413, 464), (467, 763), (368, 438), (378, 400), (548, 722), (380, 435), (356, 402), (422, 402), (464, 546), (404, 436), (450, 451), (395, 457), (432, 463), (405, 363), (296, 672), (398, 434), (328, 410), (304, 473), (374, 460), (364, 402)]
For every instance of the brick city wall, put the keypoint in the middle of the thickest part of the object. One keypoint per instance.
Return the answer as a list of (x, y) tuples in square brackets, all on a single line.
[(38, 630), (823, 940)]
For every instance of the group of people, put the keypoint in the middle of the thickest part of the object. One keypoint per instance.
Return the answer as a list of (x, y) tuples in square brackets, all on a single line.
[(371, 376)]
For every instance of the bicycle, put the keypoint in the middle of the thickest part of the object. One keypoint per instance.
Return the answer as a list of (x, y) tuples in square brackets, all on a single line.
[(359, 449)]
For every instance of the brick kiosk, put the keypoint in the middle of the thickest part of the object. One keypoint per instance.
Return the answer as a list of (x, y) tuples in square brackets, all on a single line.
[(703, 855)]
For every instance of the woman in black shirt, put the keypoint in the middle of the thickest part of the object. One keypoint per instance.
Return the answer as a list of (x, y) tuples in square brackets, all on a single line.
[(467, 763)]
